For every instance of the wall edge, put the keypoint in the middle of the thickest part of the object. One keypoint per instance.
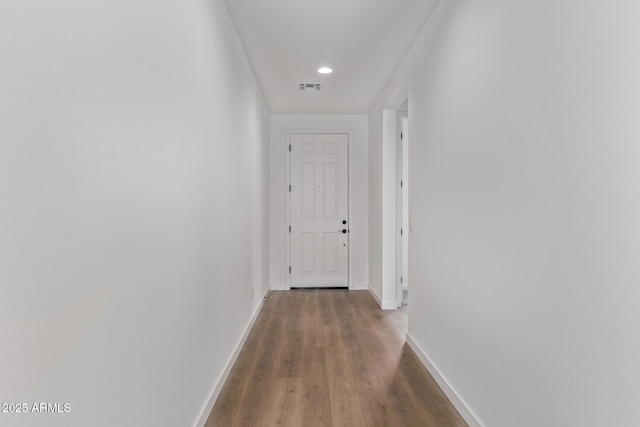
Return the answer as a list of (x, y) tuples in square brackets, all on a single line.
[(462, 408), (217, 388)]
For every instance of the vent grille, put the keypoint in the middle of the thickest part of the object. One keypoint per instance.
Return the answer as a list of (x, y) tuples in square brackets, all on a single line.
[(305, 86)]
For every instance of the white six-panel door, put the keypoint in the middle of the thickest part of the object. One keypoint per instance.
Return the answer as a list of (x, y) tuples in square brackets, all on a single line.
[(319, 210)]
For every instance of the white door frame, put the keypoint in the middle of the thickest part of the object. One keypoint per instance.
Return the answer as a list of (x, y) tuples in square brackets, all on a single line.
[(288, 199), (389, 216), (402, 193)]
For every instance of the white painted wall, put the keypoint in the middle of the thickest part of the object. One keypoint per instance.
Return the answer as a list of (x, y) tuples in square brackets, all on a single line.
[(358, 230), (261, 202), (525, 198), (132, 141)]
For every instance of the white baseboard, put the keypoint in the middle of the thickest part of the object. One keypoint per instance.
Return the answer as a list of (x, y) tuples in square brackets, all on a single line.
[(375, 296), (223, 378), (459, 404), (389, 305), (384, 305), (359, 287)]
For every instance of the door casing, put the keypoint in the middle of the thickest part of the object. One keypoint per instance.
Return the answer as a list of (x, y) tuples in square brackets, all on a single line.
[(402, 214)]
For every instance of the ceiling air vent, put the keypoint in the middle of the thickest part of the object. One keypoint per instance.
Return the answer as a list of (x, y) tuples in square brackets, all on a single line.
[(306, 86)]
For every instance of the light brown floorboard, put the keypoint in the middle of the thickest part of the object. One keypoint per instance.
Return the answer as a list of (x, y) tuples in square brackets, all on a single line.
[(330, 358)]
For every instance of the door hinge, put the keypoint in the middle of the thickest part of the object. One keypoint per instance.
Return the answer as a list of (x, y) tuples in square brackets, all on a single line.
[(401, 184), (289, 269), (400, 279), (289, 229), (401, 137), (289, 188), (289, 147), (401, 231)]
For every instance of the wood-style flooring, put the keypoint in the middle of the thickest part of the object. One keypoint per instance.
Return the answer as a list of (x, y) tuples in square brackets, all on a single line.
[(329, 358)]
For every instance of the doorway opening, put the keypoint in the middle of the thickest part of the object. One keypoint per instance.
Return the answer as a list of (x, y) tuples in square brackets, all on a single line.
[(395, 185)]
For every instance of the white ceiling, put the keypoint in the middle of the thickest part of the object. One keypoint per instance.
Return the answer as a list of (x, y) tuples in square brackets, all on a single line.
[(362, 40)]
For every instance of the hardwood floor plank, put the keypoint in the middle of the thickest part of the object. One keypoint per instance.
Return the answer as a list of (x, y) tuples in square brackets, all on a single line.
[(284, 403), (346, 409), (316, 404)]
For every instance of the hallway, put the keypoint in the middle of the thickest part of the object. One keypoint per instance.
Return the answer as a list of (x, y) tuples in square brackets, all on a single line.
[(329, 358), (151, 173)]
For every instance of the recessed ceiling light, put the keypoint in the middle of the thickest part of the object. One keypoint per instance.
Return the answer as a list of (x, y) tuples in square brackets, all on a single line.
[(325, 70)]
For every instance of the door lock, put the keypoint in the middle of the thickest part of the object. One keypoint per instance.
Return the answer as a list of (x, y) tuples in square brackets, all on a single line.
[(344, 231), (344, 221)]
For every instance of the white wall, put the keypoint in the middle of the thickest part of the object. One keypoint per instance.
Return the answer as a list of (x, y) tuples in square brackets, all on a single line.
[(261, 202), (525, 197), (358, 229), (132, 140)]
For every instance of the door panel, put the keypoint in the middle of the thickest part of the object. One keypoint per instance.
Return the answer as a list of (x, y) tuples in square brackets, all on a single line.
[(307, 190), (319, 205), (330, 193), (331, 252), (308, 253)]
